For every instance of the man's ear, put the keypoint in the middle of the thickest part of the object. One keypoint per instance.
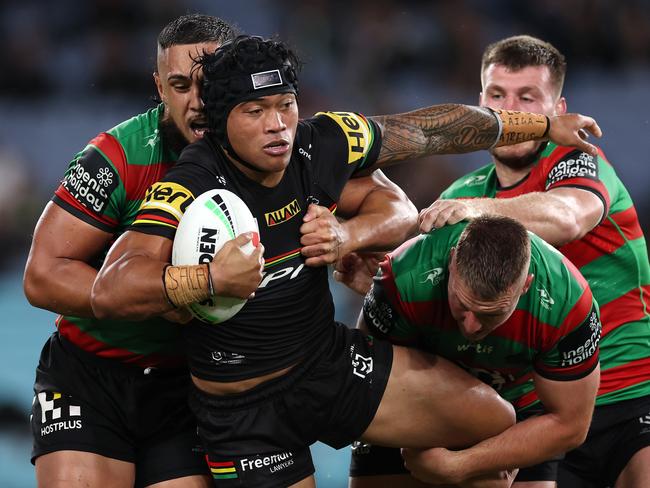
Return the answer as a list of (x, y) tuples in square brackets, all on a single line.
[(560, 106), (159, 87), (527, 283)]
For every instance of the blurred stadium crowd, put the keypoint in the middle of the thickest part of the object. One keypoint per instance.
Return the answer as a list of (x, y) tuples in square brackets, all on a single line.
[(69, 69)]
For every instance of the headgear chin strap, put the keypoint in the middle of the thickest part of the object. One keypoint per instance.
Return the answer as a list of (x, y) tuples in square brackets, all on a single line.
[(245, 69)]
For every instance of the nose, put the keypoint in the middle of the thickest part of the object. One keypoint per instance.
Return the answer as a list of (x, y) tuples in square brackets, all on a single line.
[(511, 103), (195, 98), (275, 121), (471, 325)]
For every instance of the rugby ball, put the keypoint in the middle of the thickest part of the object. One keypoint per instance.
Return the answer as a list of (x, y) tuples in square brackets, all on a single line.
[(211, 220)]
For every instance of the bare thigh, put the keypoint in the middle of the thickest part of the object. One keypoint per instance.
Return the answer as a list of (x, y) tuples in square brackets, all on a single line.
[(637, 471), (534, 484), (309, 482), (431, 402), (70, 469)]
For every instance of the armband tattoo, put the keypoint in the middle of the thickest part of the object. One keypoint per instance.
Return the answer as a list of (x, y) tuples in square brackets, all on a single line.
[(516, 127), (187, 284)]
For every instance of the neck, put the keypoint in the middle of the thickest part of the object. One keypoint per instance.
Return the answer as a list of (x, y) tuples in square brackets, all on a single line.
[(508, 176), (264, 178)]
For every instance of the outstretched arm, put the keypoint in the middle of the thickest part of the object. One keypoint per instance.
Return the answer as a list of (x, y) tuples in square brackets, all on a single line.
[(558, 216), (453, 129)]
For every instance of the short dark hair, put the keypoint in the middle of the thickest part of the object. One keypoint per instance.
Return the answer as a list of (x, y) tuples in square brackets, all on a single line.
[(518, 52), (193, 29), (229, 77), (492, 254)]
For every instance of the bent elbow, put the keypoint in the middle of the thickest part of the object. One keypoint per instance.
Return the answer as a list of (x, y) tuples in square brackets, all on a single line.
[(34, 286)]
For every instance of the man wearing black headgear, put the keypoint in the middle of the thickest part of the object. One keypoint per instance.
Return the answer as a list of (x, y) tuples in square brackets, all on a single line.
[(281, 374)]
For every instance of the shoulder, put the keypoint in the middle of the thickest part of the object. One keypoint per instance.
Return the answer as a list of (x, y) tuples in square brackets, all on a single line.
[(471, 184)]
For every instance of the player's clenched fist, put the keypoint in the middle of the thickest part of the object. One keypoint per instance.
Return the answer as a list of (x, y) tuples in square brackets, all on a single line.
[(235, 273), (323, 236)]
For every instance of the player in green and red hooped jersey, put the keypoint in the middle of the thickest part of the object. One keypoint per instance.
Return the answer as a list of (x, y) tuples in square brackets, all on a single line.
[(102, 189), (577, 203), (513, 312)]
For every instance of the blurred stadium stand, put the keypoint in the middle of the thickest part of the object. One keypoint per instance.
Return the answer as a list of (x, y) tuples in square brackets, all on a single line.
[(71, 69)]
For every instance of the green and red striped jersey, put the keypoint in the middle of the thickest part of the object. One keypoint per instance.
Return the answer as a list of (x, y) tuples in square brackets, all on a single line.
[(613, 257), (104, 186), (554, 330)]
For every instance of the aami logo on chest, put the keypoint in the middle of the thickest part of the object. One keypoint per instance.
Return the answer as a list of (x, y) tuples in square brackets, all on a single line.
[(279, 216)]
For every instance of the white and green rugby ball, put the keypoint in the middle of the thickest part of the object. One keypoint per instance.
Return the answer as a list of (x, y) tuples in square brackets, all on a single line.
[(211, 220)]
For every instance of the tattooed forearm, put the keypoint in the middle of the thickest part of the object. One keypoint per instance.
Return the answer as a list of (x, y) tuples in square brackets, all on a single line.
[(439, 129)]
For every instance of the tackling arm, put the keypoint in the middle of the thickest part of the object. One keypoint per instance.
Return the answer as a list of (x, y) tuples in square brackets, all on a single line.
[(568, 408), (454, 128), (57, 274), (559, 216)]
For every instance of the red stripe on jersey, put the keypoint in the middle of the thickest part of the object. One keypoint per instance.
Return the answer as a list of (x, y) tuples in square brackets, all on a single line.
[(605, 238), (136, 178), (157, 218), (628, 308), (113, 150), (525, 400), (628, 374), (578, 314), (65, 195), (141, 177), (88, 343)]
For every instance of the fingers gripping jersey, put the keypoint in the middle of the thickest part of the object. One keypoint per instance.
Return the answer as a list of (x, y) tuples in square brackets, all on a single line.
[(292, 308), (554, 330), (104, 186), (613, 257)]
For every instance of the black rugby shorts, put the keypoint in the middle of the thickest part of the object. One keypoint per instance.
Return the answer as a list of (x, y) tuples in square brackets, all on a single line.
[(618, 431), (264, 433), (96, 405)]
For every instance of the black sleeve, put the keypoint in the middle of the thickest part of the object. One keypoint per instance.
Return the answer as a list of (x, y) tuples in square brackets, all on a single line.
[(338, 145)]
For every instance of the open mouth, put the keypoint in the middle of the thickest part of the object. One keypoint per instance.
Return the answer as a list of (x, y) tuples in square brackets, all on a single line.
[(199, 128)]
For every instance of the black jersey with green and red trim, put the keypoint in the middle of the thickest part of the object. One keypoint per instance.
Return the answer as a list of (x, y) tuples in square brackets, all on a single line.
[(104, 186), (554, 330), (613, 257), (292, 309)]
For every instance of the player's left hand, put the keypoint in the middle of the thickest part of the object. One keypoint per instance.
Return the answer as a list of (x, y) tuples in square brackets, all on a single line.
[(440, 466), (446, 212), (573, 130), (356, 270), (323, 237)]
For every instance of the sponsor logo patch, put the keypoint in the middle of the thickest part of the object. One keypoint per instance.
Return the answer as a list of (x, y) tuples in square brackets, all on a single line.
[(269, 463), (57, 414), (357, 131), (378, 313), (168, 197), (91, 180), (223, 357), (574, 165), (580, 345), (282, 215)]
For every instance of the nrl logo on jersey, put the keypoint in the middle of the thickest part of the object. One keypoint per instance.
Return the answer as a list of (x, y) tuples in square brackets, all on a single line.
[(434, 275), (545, 299), (475, 180)]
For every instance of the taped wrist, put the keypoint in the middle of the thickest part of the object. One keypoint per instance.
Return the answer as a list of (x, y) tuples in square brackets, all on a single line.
[(187, 284), (516, 127)]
